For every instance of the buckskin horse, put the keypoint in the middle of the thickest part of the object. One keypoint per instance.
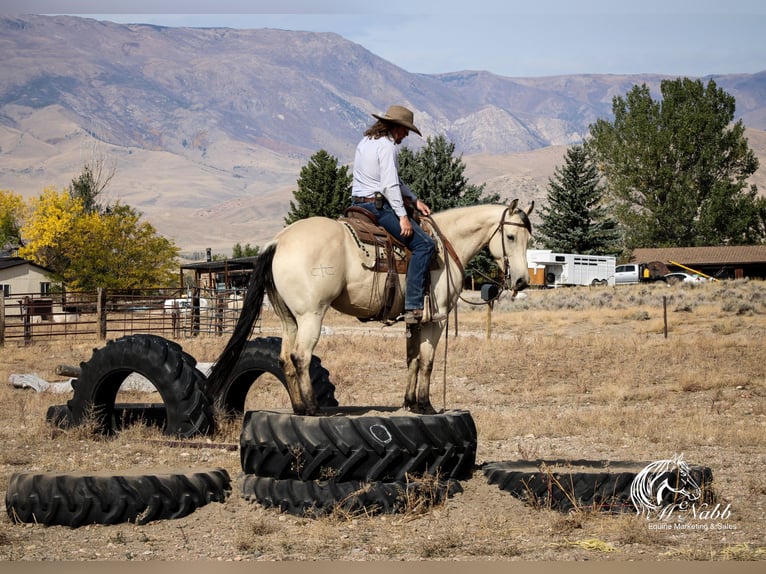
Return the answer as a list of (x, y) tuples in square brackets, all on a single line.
[(318, 263)]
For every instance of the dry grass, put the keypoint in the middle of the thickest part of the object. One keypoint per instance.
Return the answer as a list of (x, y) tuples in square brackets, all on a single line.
[(582, 373)]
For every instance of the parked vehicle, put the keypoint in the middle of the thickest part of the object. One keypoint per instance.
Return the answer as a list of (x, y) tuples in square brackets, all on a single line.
[(640, 272), (681, 277), (549, 269), (627, 273)]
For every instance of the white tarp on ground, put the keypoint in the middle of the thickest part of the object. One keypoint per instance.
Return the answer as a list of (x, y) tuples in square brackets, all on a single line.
[(133, 382)]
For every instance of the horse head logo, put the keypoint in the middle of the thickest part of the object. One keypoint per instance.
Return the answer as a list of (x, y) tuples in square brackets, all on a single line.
[(664, 486)]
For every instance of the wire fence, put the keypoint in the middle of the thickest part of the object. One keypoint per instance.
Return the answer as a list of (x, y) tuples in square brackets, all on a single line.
[(176, 313)]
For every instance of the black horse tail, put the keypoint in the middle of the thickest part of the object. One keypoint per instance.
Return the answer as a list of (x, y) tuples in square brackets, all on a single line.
[(261, 280)]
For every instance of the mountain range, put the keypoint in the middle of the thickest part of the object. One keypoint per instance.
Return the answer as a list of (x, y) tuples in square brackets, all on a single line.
[(206, 129)]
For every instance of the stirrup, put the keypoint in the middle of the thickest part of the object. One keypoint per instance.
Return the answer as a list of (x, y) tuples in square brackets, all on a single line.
[(416, 316), (413, 316)]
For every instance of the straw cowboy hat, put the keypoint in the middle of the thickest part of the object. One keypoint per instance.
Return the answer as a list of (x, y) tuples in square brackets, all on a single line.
[(399, 115)]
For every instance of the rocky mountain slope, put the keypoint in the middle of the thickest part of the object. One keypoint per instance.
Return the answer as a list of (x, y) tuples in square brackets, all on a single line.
[(207, 128)]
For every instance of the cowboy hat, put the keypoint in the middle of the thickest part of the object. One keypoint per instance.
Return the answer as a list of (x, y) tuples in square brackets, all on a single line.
[(399, 115)]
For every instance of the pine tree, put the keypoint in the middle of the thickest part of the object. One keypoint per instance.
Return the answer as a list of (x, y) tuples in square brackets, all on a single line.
[(437, 177), (324, 189), (575, 219)]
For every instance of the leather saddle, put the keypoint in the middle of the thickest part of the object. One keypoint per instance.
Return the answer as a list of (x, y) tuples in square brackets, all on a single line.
[(382, 253), (388, 253)]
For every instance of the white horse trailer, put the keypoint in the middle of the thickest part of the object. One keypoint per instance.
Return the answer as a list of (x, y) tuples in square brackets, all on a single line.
[(549, 269)]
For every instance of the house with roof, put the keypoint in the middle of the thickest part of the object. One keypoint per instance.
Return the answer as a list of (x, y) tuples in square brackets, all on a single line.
[(21, 277), (721, 262)]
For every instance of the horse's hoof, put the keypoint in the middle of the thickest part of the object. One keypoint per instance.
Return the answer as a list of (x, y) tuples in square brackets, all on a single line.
[(311, 410), (419, 409)]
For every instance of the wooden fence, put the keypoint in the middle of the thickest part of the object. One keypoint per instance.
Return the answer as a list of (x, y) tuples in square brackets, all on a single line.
[(174, 313)]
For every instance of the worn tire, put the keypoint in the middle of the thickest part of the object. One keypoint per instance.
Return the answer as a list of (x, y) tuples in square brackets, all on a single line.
[(139, 496), (565, 485), (123, 415), (261, 355), (357, 445), (164, 363), (317, 498)]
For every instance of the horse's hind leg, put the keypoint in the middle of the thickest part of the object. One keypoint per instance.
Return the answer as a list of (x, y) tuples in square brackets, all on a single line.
[(309, 329), (289, 333)]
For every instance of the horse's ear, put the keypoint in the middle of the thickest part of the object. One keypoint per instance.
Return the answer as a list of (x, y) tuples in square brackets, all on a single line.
[(530, 207), (512, 207)]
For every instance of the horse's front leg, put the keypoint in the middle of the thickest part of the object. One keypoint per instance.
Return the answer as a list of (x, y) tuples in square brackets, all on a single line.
[(413, 365), (429, 338)]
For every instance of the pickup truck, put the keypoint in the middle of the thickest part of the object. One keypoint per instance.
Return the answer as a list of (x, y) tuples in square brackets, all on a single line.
[(639, 272), (627, 273)]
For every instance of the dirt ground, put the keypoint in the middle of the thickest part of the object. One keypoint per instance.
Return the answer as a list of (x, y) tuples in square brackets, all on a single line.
[(589, 373)]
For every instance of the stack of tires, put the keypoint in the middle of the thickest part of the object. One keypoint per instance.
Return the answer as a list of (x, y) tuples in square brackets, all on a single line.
[(351, 459), (355, 460)]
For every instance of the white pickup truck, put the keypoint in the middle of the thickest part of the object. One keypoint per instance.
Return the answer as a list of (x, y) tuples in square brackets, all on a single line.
[(639, 272), (627, 273)]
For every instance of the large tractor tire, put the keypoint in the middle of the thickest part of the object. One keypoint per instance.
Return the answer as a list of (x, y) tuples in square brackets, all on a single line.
[(379, 447), (261, 355), (318, 498), (577, 484), (138, 496), (173, 373)]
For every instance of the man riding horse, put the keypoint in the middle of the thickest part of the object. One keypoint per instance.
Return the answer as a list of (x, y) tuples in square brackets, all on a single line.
[(378, 188), (318, 263)]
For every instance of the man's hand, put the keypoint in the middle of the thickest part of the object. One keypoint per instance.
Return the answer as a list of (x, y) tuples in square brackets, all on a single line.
[(423, 208), (406, 226)]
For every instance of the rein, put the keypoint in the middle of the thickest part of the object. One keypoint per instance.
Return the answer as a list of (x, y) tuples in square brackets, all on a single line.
[(526, 224)]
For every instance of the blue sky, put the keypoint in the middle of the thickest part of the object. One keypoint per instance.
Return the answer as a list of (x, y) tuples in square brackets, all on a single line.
[(506, 37)]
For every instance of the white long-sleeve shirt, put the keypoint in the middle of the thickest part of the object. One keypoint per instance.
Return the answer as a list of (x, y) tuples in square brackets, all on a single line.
[(376, 168)]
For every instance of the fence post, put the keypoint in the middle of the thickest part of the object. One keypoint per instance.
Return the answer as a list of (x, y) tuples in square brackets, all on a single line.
[(175, 320), (101, 312), (195, 312), (2, 318), (26, 319)]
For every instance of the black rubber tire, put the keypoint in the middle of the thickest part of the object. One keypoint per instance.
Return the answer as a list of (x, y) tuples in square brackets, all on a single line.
[(261, 355), (357, 445), (139, 496), (122, 416), (564, 485), (318, 498), (164, 363)]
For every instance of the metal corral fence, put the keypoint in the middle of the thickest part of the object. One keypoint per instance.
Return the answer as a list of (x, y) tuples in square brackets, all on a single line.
[(175, 313)]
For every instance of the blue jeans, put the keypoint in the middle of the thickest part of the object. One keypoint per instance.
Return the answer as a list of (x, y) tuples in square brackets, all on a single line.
[(422, 247)]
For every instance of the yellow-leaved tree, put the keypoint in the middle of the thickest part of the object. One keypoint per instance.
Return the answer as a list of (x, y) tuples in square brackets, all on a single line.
[(12, 214), (86, 249)]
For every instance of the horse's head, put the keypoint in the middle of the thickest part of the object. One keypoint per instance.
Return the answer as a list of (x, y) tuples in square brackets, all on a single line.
[(508, 245)]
